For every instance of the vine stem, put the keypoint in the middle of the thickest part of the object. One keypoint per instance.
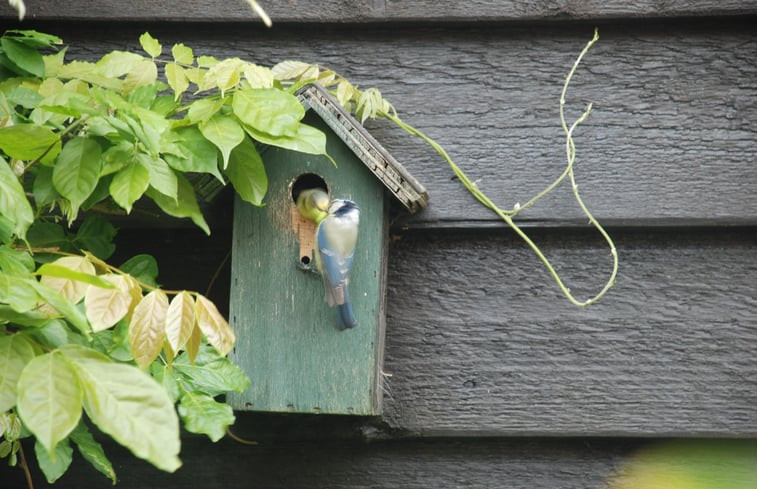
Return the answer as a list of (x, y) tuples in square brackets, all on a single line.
[(507, 215), (25, 466)]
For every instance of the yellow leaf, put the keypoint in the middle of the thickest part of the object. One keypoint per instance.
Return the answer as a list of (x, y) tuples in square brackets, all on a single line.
[(105, 307), (258, 76), (193, 344), (134, 290), (224, 75), (215, 328), (72, 290), (180, 320), (143, 73), (177, 79), (147, 328)]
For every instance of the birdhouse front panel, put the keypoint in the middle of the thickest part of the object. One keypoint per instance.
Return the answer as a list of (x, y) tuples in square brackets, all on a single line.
[(288, 339)]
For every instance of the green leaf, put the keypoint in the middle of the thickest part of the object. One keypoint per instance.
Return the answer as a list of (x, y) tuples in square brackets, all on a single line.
[(162, 177), (43, 190), (129, 184), (31, 318), (147, 328), (15, 262), (185, 204), (54, 333), (212, 378), (14, 205), (96, 236), (200, 155), (55, 464), (142, 74), (15, 353), (268, 110), (247, 173), (49, 398), (28, 142), (44, 234), (150, 45), (203, 109), (33, 38), (203, 415), (54, 270), (307, 140), (92, 451), (225, 132), (76, 174), (63, 306), (177, 79), (140, 417), (223, 75), (118, 63), (182, 54), (18, 292), (143, 268), (25, 57)]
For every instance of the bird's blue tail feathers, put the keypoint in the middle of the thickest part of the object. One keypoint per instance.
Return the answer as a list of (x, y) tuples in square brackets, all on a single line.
[(345, 315)]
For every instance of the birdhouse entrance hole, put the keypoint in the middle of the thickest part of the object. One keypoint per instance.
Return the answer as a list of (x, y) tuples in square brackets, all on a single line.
[(304, 228)]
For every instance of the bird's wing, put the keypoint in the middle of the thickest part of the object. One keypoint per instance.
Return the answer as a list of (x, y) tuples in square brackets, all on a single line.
[(335, 267)]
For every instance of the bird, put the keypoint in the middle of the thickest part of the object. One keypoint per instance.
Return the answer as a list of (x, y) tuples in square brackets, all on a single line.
[(336, 237), (313, 204)]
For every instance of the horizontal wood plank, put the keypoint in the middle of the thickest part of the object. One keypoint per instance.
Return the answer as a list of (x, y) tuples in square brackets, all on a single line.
[(353, 464), (671, 140), (480, 341), (363, 11)]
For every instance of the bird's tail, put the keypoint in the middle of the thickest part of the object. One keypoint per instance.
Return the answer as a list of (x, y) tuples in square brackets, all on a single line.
[(345, 315)]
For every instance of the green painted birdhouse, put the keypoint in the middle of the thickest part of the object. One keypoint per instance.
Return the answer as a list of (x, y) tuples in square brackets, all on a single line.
[(288, 341)]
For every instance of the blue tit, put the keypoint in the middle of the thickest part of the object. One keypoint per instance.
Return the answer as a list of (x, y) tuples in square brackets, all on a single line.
[(313, 204), (335, 246)]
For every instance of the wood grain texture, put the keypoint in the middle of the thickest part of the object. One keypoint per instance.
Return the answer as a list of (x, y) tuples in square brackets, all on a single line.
[(580, 464), (480, 341), (671, 141), (378, 10)]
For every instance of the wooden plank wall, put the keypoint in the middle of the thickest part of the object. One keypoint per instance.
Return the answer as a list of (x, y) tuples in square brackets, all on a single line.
[(495, 379)]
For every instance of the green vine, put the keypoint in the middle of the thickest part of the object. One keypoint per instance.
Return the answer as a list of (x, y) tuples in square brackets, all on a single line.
[(82, 140)]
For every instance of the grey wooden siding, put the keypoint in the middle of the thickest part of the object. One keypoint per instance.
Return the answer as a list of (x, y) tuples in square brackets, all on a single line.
[(495, 379)]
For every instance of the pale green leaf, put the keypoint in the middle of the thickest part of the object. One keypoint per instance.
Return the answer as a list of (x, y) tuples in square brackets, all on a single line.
[(203, 109), (105, 307), (223, 75), (118, 63), (92, 451), (180, 320), (49, 398), (29, 142), (58, 271), (247, 173), (18, 292), (287, 70), (177, 79), (307, 140), (150, 45), (225, 132), (76, 174), (268, 110), (204, 415), (68, 287), (62, 306), (206, 61), (140, 417), (129, 184), (14, 205), (185, 204), (15, 353), (258, 76), (162, 177), (148, 327), (214, 326), (88, 72), (182, 54), (54, 464), (142, 74)]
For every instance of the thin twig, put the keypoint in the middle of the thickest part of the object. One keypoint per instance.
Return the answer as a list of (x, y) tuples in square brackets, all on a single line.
[(25, 466)]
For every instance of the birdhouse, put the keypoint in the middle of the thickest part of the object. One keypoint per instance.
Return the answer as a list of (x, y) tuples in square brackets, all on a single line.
[(288, 341)]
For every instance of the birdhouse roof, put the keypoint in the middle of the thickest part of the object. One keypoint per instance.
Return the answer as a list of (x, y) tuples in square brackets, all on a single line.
[(389, 171)]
